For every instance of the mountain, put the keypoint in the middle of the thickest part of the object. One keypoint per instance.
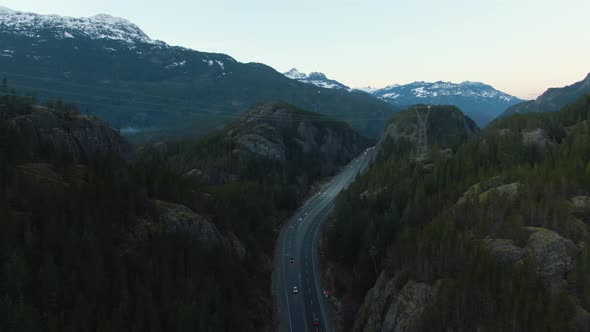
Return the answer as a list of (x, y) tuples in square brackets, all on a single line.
[(485, 233), (479, 101), (179, 225), (368, 89), (147, 88), (553, 99), (80, 136), (447, 127), (273, 142), (315, 78)]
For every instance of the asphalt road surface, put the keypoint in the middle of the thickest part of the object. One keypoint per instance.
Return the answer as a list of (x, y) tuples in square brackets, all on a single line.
[(299, 240)]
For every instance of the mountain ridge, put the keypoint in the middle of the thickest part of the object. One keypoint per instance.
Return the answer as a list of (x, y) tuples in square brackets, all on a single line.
[(100, 26), (553, 99), (156, 90), (316, 78), (480, 101)]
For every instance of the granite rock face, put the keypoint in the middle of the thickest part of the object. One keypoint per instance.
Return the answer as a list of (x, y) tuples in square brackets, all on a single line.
[(392, 306), (405, 312), (536, 136), (554, 255), (495, 185), (80, 136), (446, 126), (179, 218), (281, 132)]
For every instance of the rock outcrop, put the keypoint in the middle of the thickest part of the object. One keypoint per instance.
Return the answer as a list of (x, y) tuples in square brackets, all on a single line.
[(79, 136), (536, 136), (484, 189), (554, 255), (179, 218), (282, 132), (394, 306), (405, 312), (581, 208), (505, 250), (447, 127)]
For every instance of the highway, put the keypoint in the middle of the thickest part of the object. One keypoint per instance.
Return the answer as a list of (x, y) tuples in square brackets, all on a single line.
[(299, 240)]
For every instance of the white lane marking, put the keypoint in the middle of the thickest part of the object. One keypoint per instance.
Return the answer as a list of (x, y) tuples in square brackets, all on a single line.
[(288, 310)]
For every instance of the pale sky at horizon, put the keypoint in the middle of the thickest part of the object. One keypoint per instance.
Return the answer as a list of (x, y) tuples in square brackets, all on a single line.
[(521, 47)]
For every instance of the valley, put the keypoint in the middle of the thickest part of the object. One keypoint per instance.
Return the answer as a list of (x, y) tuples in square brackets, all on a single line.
[(146, 186)]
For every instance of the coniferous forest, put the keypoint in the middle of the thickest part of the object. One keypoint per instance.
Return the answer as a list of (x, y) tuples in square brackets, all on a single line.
[(496, 231), (83, 246)]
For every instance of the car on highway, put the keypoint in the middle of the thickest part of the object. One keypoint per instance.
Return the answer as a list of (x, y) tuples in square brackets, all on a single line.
[(291, 260), (295, 290)]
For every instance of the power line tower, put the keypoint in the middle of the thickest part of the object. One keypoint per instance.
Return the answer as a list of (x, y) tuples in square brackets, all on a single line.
[(422, 142)]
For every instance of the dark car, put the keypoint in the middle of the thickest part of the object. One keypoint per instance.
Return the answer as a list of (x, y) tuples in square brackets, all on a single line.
[(291, 260), (316, 322)]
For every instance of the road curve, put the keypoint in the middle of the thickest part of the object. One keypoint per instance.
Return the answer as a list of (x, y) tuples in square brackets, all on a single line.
[(298, 240)]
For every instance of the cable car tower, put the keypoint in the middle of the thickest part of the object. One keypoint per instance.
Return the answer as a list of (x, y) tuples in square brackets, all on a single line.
[(422, 141)]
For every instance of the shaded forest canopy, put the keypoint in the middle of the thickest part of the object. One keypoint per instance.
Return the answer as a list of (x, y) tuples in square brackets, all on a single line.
[(441, 220)]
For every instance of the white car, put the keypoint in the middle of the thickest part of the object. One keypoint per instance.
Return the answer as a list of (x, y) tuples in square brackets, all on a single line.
[(300, 219), (295, 290)]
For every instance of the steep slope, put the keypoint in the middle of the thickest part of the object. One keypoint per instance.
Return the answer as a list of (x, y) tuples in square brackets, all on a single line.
[(276, 143), (446, 127), (50, 131), (553, 99), (111, 69), (315, 78), (78, 221), (490, 236), (479, 101)]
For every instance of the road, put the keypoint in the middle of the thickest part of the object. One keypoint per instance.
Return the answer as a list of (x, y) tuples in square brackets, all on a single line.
[(299, 240)]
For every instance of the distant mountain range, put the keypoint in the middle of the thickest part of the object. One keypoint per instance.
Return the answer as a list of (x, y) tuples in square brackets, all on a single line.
[(552, 100), (479, 101), (112, 69), (315, 78)]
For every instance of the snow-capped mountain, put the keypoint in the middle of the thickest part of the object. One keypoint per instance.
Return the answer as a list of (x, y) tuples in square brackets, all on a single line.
[(315, 78), (478, 100), (110, 68), (367, 89), (96, 27)]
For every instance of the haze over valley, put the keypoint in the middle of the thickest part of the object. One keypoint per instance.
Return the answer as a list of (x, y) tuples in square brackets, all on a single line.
[(412, 182)]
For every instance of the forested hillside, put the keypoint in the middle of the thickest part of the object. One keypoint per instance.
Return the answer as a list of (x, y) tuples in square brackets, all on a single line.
[(112, 69), (97, 238), (553, 99), (488, 236)]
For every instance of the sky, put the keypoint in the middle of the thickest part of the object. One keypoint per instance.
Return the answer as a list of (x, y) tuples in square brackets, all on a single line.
[(521, 47)]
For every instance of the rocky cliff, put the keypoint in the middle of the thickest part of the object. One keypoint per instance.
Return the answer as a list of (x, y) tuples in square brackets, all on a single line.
[(78, 136), (446, 126), (272, 140), (283, 132)]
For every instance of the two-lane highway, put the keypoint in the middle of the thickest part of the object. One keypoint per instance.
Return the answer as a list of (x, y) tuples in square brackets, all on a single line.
[(298, 264)]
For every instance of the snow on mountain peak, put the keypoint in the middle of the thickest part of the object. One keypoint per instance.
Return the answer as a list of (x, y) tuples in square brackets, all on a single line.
[(295, 74), (367, 89), (421, 89), (315, 78), (100, 26)]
